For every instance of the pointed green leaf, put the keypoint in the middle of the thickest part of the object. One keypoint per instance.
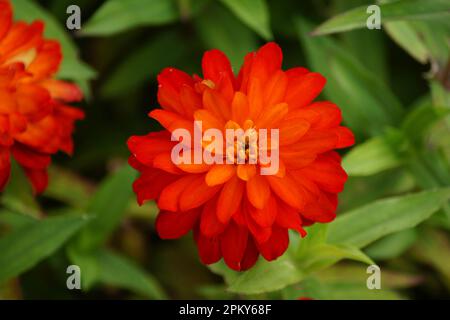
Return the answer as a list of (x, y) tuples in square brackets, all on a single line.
[(116, 16), (373, 106), (108, 206), (253, 13), (121, 272), (219, 29), (144, 63), (391, 11), (18, 195), (24, 247), (262, 277), (373, 221), (375, 155)]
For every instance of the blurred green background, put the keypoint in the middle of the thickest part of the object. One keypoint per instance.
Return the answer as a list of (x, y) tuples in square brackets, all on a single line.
[(392, 85)]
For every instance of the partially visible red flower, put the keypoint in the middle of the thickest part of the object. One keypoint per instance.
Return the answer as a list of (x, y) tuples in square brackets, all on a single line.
[(234, 211), (35, 120)]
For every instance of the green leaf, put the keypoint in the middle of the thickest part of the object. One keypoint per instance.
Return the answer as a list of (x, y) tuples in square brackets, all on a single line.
[(403, 33), (253, 13), (267, 276), (14, 220), (121, 272), (116, 16), (262, 277), (373, 106), (25, 247), (391, 11), (317, 235), (88, 263), (107, 205), (144, 63), (71, 67), (375, 155), (18, 194), (419, 120), (219, 29), (68, 187), (315, 288), (325, 255), (368, 223), (392, 245)]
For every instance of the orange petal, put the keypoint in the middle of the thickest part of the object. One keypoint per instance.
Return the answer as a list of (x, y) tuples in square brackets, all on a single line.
[(258, 191), (246, 171), (239, 108), (197, 193), (267, 60), (275, 89), (229, 199), (219, 174), (171, 121), (216, 104), (194, 167), (270, 116), (63, 91), (169, 197), (208, 119), (164, 162), (291, 130), (286, 189), (255, 98), (265, 216)]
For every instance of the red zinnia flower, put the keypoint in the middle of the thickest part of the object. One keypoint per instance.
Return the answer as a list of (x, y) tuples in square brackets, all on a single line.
[(35, 122), (234, 211)]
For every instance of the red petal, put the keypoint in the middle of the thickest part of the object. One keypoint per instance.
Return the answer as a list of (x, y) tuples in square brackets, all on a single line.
[(345, 137), (28, 158), (327, 173), (146, 148), (233, 243), (261, 234), (303, 89), (5, 167), (38, 178), (251, 255), (171, 81), (286, 189), (276, 245), (150, 184), (173, 225), (5, 18), (210, 225), (267, 61), (216, 65), (266, 216), (170, 195), (208, 248), (289, 218)]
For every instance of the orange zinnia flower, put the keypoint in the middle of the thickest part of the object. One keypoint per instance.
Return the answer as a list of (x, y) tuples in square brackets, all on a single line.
[(234, 211), (35, 122)]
